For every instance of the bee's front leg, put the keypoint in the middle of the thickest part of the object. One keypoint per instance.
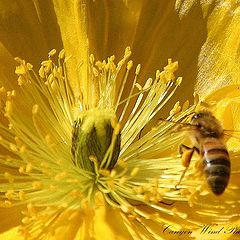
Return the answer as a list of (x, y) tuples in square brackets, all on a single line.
[(186, 156)]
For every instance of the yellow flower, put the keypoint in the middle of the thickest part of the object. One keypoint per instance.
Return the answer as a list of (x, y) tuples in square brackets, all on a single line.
[(83, 153)]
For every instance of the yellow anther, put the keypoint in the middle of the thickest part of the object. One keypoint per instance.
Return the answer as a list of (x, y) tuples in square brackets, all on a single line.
[(7, 203), (100, 65), (10, 194), (95, 72), (20, 70), (31, 209), (127, 52), (11, 94), (110, 184), (13, 147), (48, 139), (21, 195), (75, 193), (41, 72), (61, 54), (112, 58), (25, 220), (158, 74), (18, 141), (2, 89), (139, 190), (19, 60), (53, 187), (50, 78), (8, 108), (35, 109), (61, 176), (52, 52), (47, 65), (21, 169), (179, 81), (127, 209), (129, 65), (104, 172), (176, 109), (123, 180), (37, 185), (29, 168), (138, 86), (138, 68), (9, 177), (29, 66), (44, 164), (72, 180), (120, 63), (148, 83), (134, 172), (113, 173), (122, 163), (92, 59), (172, 67), (185, 106), (93, 158)]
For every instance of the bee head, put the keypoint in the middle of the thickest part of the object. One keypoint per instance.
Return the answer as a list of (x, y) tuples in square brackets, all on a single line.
[(207, 124)]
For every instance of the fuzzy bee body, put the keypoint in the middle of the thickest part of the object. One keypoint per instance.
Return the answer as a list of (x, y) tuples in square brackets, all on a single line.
[(207, 135), (216, 164)]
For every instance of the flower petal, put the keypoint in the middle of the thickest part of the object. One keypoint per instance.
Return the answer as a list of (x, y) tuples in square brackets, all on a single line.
[(7, 68), (10, 217), (72, 19), (11, 234), (225, 106), (219, 57), (109, 224), (28, 30), (225, 103), (161, 34)]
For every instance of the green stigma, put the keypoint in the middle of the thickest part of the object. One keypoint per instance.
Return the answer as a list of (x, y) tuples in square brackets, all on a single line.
[(96, 140)]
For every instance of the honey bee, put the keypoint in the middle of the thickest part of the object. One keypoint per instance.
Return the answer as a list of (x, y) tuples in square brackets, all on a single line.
[(207, 139)]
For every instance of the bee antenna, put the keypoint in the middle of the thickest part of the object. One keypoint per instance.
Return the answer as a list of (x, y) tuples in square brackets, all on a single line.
[(170, 121)]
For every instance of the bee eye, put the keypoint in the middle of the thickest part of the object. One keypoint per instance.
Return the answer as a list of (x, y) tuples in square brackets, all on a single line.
[(197, 116)]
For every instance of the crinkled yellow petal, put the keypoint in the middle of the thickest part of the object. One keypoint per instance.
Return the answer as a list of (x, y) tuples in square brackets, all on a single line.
[(184, 6), (225, 103), (219, 57)]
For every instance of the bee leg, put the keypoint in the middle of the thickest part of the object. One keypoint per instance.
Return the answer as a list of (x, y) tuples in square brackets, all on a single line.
[(186, 156), (168, 204)]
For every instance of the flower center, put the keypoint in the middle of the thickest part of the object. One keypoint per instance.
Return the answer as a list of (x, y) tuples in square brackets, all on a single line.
[(96, 140)]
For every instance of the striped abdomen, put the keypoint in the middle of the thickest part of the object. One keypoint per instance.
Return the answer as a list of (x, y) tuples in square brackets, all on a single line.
[(216, 164)]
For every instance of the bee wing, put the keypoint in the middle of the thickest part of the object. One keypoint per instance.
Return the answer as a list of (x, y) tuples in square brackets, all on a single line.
[(232, 133)]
